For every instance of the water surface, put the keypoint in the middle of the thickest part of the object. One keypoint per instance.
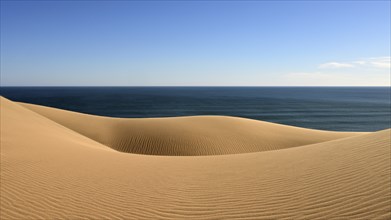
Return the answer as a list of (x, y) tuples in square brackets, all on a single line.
[(328, 108)]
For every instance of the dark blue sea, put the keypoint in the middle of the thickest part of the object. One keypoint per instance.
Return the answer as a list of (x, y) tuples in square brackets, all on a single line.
[(328, 108)]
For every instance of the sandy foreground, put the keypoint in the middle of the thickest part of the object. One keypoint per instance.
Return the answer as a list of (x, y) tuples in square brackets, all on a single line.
[(58, 164)]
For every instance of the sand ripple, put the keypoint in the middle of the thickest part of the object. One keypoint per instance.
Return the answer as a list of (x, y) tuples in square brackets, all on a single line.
[(52, 171)]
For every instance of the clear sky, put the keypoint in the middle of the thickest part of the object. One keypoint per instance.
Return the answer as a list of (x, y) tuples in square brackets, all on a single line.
[(195, 43)]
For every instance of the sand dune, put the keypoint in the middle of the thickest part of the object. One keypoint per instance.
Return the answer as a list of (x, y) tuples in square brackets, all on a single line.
[(187, 136), (53, 167)]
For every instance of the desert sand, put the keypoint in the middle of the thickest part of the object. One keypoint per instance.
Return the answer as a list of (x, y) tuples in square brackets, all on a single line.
[(57, 164)]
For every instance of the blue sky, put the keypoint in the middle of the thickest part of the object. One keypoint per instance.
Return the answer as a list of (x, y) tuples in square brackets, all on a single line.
[(195, 43)]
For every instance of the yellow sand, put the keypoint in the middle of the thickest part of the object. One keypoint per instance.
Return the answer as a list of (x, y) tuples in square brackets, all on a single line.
[(60, 165), (187, 136)]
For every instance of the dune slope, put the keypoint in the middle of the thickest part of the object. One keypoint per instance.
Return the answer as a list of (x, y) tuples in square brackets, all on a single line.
[(51, 172), (187, 136)]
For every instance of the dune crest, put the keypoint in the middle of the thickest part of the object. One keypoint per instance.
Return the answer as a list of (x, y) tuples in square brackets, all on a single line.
[(49, 171), (187, 136)]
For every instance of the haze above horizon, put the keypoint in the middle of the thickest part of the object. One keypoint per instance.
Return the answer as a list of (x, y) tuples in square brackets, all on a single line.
[(195, 43)]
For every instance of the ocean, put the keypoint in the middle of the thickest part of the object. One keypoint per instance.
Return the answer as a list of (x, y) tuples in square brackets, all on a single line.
[(326, 108)]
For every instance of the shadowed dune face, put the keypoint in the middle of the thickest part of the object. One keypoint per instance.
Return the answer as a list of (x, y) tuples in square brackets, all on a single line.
[(51, 172), (186, 136)]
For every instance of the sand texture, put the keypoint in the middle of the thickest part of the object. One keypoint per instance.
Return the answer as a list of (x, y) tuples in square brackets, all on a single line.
[(58, 164), (186, 136)]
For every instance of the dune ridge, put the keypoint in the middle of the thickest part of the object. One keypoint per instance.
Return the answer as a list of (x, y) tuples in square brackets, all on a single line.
[(49, 171), (187, 136)]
